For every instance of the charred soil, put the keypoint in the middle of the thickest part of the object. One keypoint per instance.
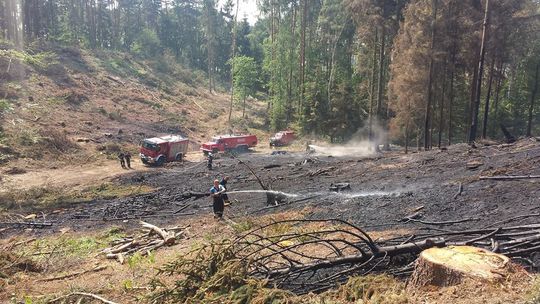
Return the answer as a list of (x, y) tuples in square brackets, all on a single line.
[(391, 193)]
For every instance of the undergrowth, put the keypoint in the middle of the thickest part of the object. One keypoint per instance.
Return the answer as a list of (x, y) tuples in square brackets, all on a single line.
[(39, 198), (533, 294), (41, 60), (214, 274)]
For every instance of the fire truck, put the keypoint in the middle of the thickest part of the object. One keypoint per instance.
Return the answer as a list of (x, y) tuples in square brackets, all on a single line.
[(282, 138), (159, 150), (226, 143)]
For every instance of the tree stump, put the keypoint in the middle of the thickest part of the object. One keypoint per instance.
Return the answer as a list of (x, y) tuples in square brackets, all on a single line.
[(448, 266)]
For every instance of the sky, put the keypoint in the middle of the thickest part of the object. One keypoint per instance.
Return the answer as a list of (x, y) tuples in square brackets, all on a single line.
[(247, 8)]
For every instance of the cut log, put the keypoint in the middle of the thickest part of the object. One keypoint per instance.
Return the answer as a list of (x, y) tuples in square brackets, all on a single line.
[(474, 164), (168, 237), (448, 266)]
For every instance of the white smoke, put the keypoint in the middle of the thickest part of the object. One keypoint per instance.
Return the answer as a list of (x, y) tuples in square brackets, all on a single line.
[(359, 146)]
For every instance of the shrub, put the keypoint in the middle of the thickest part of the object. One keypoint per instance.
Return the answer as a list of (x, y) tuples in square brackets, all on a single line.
[(56, 140), (147, 44)]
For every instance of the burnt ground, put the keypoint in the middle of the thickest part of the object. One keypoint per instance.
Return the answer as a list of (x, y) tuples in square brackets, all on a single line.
[(384, 189)]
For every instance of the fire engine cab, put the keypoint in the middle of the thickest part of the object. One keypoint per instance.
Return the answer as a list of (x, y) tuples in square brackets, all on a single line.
[(282, 138), (224, 143), (159, 150)]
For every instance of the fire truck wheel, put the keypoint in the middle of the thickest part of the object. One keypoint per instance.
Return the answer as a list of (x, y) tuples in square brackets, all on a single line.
[(160, 161), (179, 157)]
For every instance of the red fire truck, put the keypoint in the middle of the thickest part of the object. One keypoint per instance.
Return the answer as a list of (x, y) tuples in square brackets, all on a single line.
[(224, 143), (282, 138), (159, 150)]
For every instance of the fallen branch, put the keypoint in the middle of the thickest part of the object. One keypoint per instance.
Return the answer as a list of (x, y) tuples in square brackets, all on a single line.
[(83, 294), (509, 177), (442, 222), (71, 275), (460, 190), (32, 224), (168, 237), (144, 243), (114, 79)]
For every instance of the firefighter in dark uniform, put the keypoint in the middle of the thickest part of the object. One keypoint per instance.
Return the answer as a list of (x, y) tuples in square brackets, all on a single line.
[(216, 192), (127, 156), (210, 160), (121, 158), (223, 182)]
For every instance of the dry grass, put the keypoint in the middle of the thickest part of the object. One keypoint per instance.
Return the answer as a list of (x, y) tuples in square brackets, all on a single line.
[(38, 198)]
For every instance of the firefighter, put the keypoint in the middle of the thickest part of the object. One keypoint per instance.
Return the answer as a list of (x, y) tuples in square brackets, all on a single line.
[(210, 160), (217, 192), (223, 182), (127, 156), (121, 158)]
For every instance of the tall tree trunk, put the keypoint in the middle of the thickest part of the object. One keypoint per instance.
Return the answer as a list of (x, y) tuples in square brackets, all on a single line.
[(441, 107), (476, 106), (533, 97), (331, 65), (407, 137), (427, 116), (372, 86), (380, 82), (244, 108), (233, 55), (291, 67), (450, 105), (498, 91), (488, 97), (303, 22), (418, 146)]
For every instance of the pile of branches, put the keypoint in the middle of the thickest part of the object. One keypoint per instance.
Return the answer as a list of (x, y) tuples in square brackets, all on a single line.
[(303, 256), (313, 260), (151, 239)]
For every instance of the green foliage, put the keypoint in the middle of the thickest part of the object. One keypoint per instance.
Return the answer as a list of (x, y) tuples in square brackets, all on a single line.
[(41, 60), (318, 63), (243, 226), (373, 290), (245, 77), (5, 106), (147, 43)]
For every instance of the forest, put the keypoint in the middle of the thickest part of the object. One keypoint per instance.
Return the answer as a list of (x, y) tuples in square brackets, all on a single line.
[(429, 72)]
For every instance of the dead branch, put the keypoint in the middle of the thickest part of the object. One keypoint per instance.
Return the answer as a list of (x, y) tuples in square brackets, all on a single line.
[(71, 275), (115, 79), (509, 177), (83, 294), (168, 237), (460, 190), (263, 186), (143, 243), (31, 224), (441, 222)]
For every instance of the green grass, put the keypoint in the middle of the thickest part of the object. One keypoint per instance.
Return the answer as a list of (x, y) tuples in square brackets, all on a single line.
[(5, 106), (39, 198), (41, 60), (244, 226)]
